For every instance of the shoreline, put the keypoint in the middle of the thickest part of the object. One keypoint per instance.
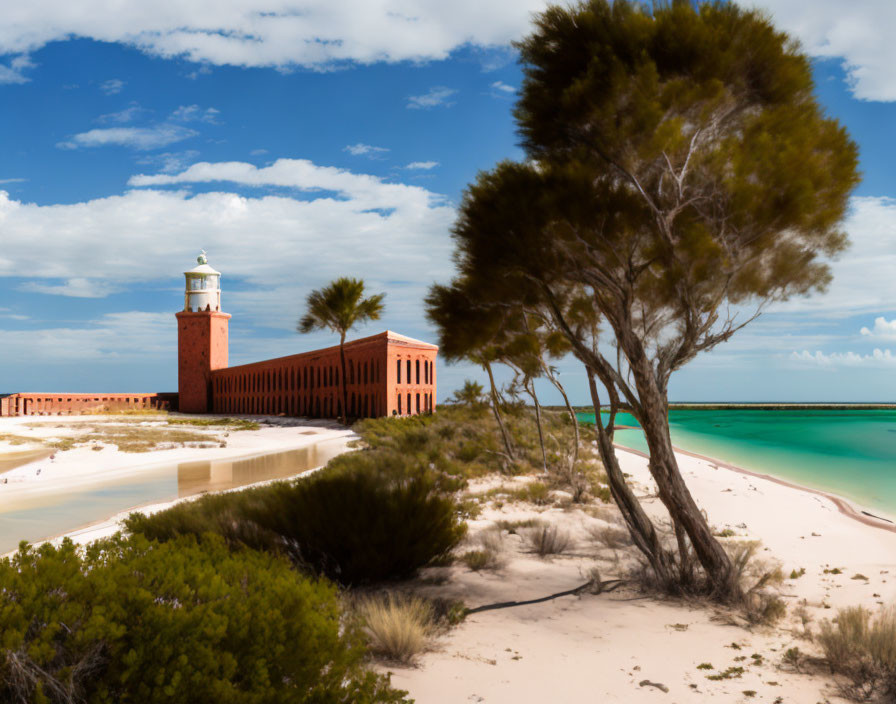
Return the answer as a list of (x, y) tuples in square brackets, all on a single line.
[(843, 505)]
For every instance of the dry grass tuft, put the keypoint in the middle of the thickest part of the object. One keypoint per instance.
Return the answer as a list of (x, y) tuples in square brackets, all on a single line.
[(862, 648), (547, 540), (488, 553), (613, 537), (397, 627)]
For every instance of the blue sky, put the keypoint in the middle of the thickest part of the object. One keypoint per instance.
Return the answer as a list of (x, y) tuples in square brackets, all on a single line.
[(296, 147)]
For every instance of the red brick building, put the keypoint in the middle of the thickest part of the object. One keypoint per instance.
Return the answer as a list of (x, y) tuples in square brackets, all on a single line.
[(386, 374)]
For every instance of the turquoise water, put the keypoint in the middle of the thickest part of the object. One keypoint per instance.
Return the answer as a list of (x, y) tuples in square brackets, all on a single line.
[(848, 452)]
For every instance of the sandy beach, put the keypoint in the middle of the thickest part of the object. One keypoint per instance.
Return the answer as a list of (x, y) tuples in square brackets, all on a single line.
[(616, 647), (620, 646)]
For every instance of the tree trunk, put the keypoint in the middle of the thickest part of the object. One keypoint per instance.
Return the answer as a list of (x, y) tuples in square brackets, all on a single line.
[(494, 393), (530, 387), (572, 416), (639, 524), (673, 491), (342, 378)]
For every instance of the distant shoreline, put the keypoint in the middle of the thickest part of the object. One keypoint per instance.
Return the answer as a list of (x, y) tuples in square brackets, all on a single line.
[(763, 406)]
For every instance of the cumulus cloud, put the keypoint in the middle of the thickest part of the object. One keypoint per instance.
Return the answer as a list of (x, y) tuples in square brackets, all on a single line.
[(278, 33), (367, 150), (878, 358), (422, 165), (112, 87), (141, 138), (502, 87), (860, 35), (435, 97), (863, 275), (882, 328), (393, 235)]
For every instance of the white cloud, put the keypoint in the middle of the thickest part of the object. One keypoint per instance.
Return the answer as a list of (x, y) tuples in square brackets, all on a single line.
[(863, 275), (878, 358), (281, 33), (435, 97), (258, 152), (502, 87), (12, 180), (169, 162), (859, 33), (141, 138), (77, 287), (393, 235), (14, 72), (127, 115), (361, 149), (193, 113), (112, 87), (132, 334), (882, 328), (365, 191), (422, 165)]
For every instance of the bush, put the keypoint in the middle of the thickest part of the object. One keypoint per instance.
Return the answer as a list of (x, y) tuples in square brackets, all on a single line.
[(547, 540), (398, 628), (367, 517), (187, 621), (862, 648)]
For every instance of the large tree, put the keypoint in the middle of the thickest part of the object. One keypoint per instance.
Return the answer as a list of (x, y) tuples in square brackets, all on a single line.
[(682, 176), (338, 307)]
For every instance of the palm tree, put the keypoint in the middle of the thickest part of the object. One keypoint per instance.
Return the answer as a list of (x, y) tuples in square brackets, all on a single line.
[(471, 394), (340, 306)]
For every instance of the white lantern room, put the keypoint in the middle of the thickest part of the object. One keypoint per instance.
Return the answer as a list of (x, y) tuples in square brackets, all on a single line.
[(203, 287)]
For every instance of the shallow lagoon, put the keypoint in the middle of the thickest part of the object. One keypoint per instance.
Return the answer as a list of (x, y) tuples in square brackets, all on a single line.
[(49, 514)]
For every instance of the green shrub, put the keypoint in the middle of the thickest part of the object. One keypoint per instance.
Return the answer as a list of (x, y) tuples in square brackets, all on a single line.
[(547, 540), (187, 621), (367, 517), (861, 646)]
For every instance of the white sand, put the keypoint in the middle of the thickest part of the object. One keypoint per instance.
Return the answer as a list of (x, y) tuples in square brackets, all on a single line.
[(600, 648)]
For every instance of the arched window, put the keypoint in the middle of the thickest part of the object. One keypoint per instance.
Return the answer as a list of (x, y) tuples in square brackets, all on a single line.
[(417, 365), (366, 370), (399, 402), (418, 403), (398, 373), (409, 381), (409, 401)]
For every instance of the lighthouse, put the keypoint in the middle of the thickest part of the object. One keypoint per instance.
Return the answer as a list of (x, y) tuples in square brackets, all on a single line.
[(201, 337)]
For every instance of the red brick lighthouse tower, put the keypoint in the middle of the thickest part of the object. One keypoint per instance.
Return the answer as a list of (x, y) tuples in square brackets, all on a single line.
[(201, 337)]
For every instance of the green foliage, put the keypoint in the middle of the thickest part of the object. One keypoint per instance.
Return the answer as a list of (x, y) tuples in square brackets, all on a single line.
[(186, 621), (340, 306), (229, 423), (470, 394), (861, 646), (366, 517)]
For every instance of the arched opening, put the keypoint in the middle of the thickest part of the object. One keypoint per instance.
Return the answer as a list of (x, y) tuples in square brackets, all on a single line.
[(399, 404), (398, 373), (417, 370), (409, 379), (418, 403), (409, 401)]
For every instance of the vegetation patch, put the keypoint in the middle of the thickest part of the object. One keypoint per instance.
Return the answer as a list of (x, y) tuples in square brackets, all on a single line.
[(398, 627), (127, 620)]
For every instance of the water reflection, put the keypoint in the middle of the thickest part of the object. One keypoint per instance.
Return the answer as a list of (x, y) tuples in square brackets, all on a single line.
[(35, 518), (11, 460)]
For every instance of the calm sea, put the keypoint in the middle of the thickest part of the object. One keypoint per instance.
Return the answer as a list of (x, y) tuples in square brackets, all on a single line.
[(847, 452)]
